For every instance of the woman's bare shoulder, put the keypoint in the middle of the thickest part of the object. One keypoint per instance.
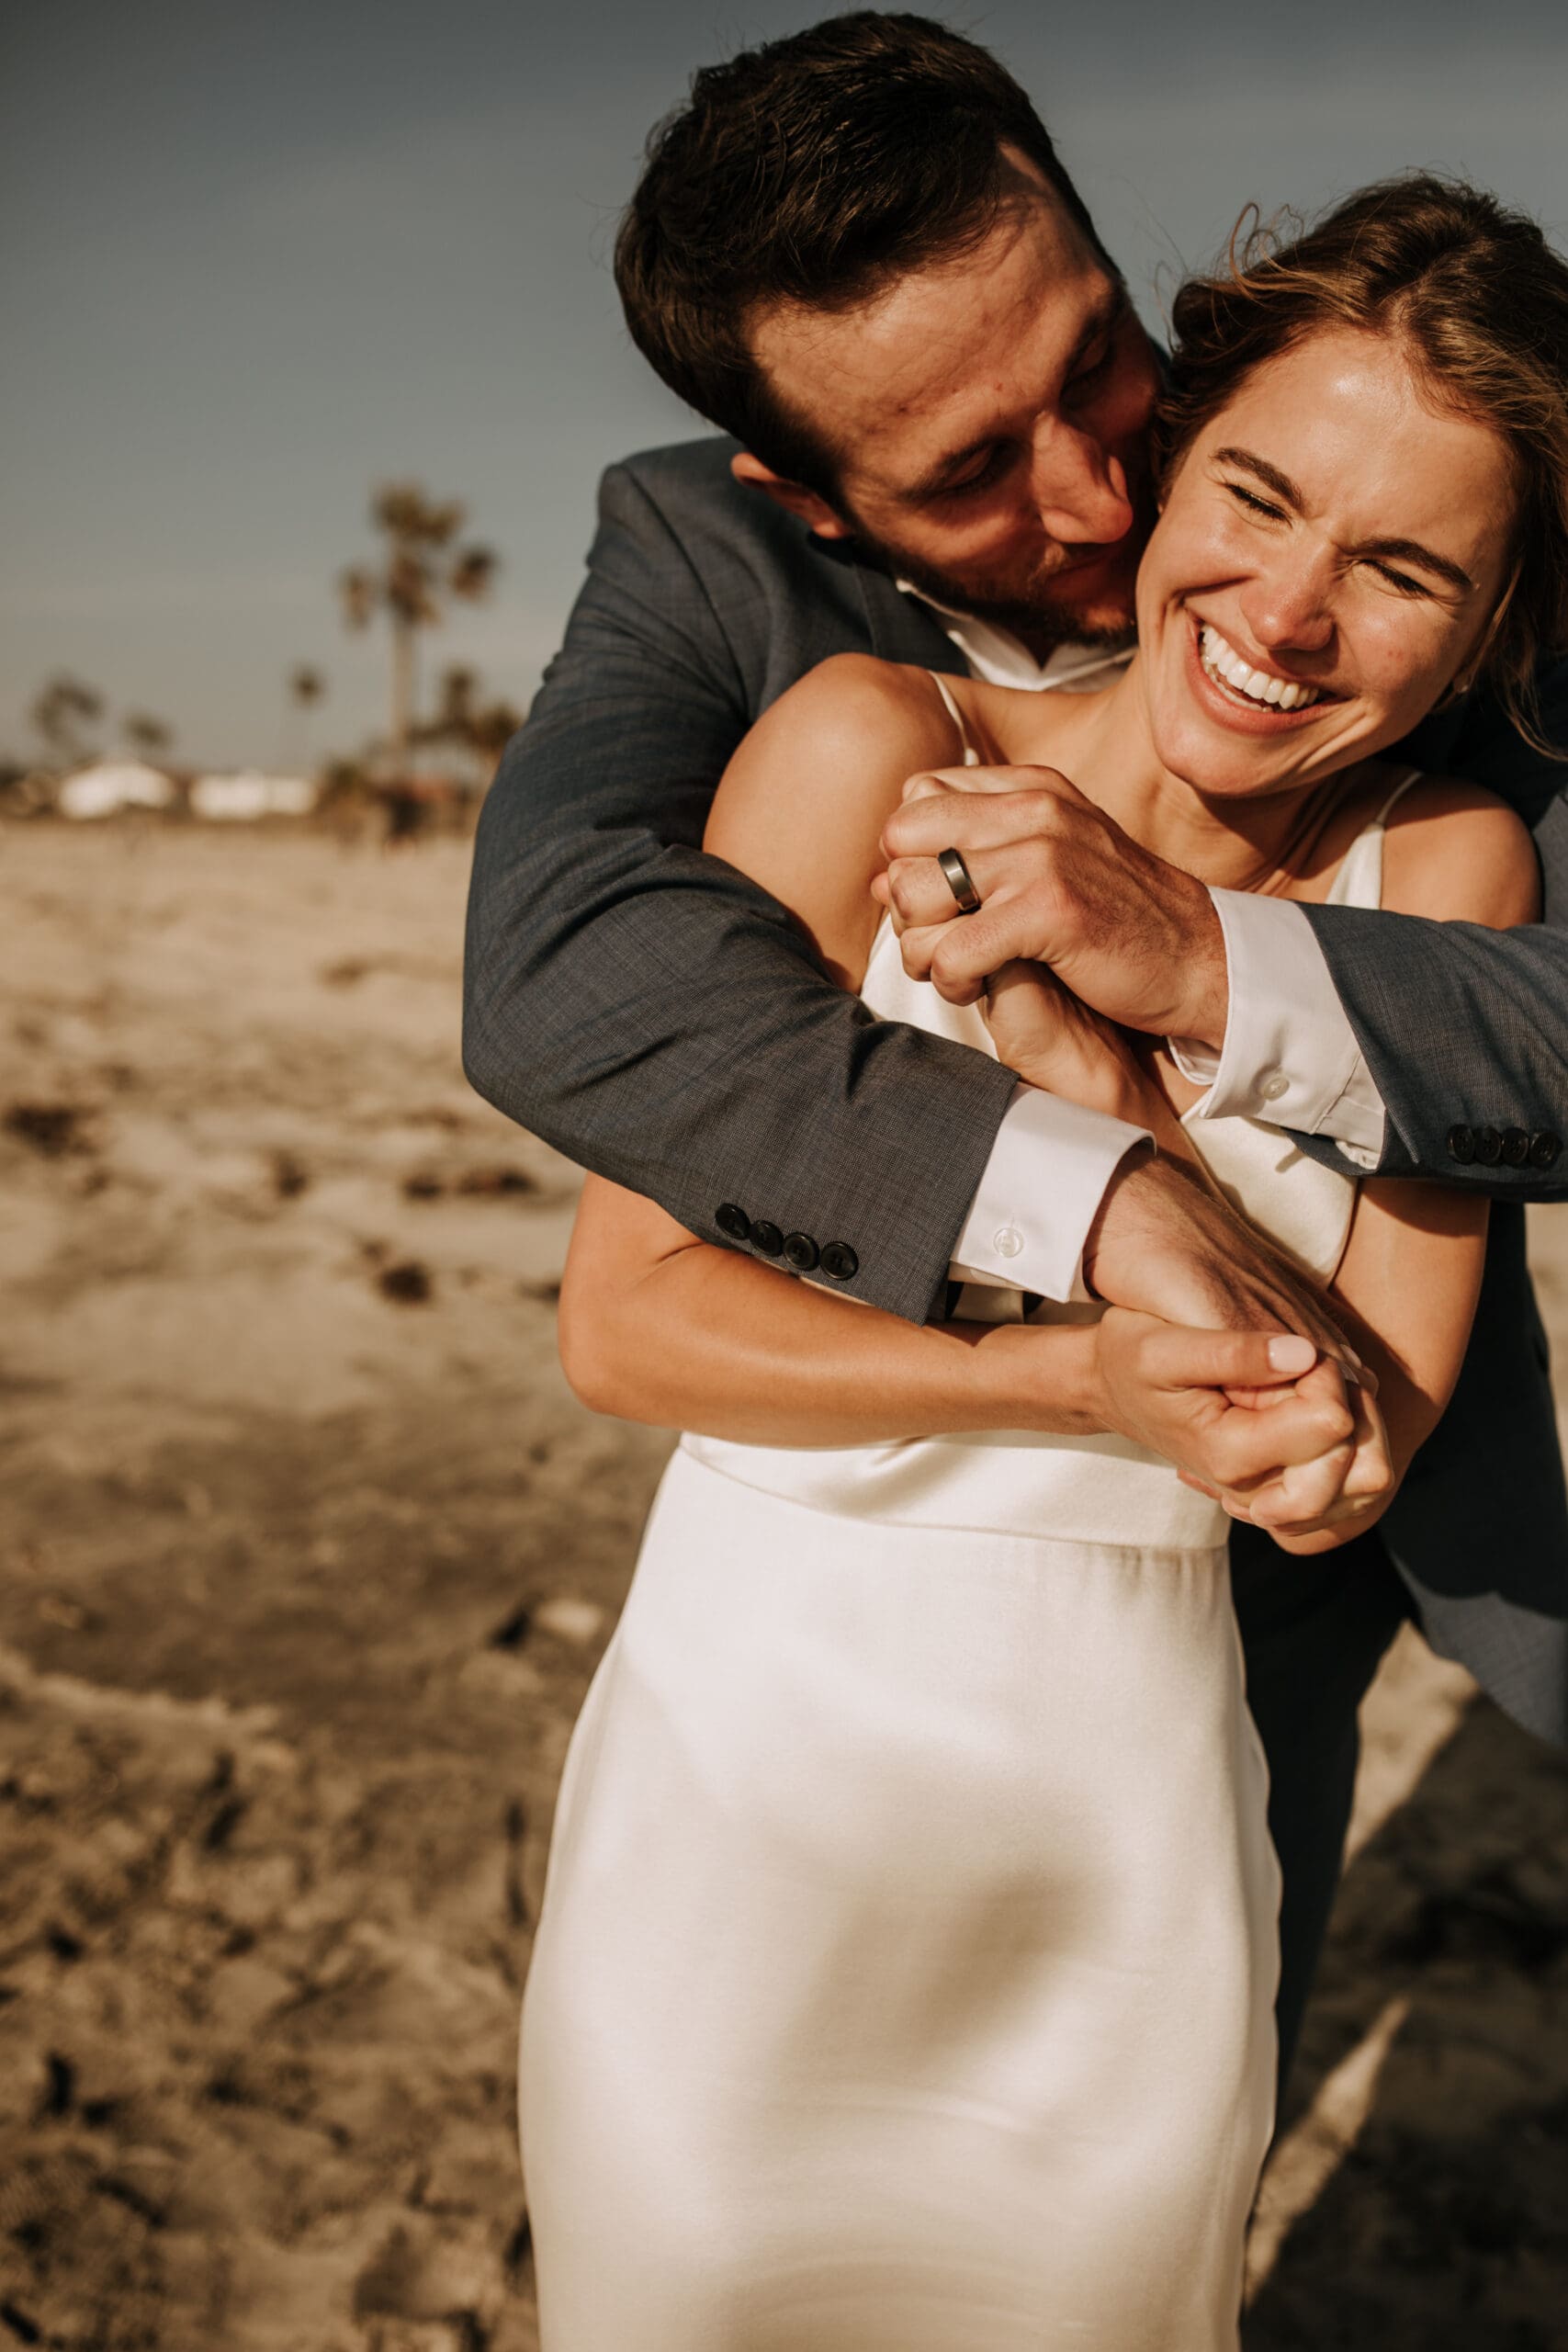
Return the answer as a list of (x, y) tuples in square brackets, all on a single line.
[(802, 804), (853, 713), (1457, 853)]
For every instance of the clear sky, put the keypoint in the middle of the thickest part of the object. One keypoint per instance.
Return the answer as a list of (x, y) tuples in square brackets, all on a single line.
[(258, 254)]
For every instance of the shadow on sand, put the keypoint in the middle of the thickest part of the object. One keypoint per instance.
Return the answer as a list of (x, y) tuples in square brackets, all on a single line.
[(1428, 2122)]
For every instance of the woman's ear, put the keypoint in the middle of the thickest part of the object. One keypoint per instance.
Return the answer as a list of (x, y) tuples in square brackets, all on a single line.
[(793, 496), (1470, 669)]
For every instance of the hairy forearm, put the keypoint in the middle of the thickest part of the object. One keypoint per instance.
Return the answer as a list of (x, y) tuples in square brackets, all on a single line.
[(702, 1339), (1406, 1289)]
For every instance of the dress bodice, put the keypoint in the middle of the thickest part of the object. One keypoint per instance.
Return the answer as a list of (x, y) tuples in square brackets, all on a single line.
[(1102, 1489)]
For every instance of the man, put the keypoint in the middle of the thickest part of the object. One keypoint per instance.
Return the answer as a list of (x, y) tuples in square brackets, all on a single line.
[(938, 452)]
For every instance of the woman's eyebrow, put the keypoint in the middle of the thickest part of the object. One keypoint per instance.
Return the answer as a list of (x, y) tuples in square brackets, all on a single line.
[(1281, 484), (1412, 551), (1400, 550)]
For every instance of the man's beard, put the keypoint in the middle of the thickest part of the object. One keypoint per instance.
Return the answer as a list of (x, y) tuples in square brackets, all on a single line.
[(1031, 613), (1046, 624)]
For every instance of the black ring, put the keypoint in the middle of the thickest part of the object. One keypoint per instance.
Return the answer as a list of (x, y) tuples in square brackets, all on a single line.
[(959, 880)]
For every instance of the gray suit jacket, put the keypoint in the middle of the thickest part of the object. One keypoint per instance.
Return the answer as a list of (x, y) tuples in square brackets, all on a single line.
[(660, 1019)]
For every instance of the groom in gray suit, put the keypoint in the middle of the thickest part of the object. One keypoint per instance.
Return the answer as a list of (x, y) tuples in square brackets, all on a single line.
[(975, 501)]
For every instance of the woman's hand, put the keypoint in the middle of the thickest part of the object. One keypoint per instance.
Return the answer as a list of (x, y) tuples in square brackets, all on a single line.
[(1041, 1031), (1315, 1506), (1173, 1391)]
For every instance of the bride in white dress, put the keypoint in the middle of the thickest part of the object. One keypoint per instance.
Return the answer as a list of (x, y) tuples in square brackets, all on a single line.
[(904, 1975)]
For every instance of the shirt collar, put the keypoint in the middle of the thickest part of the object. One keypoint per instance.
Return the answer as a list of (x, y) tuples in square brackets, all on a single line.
[(1002, 659)]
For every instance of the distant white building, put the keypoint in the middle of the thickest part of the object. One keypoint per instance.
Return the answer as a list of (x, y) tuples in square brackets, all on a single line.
[(242, 798), (109, 785)]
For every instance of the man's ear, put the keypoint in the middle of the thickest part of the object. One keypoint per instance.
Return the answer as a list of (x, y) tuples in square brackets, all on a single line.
[(793, 496)]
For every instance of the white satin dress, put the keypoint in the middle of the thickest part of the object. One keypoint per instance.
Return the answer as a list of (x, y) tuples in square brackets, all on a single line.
[(904, 1975)]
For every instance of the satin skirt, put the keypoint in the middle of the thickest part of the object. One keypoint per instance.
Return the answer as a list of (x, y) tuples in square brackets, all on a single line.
[(904, 1980)]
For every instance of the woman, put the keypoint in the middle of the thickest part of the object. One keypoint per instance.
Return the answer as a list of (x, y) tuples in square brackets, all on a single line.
[(904, 1980)]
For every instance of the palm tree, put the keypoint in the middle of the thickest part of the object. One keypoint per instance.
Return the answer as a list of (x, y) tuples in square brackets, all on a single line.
[(421, 566), (483, 729), (146, 734), (491, 731), (455, 711), (307, 685), (60, 712)]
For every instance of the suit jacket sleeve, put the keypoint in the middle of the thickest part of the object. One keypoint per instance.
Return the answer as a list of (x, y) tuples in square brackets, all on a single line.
[(649, 1011), (1465, 1030)]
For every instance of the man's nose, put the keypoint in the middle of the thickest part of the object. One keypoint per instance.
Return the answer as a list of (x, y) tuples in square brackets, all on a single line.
[(1289, 608), (1081, 491)]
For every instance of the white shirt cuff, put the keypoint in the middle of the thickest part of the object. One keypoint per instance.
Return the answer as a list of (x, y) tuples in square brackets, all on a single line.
[(1290, 1055), (1040, 1192)]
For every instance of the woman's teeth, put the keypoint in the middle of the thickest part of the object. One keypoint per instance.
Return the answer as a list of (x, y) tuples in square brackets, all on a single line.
[(1222, 662)]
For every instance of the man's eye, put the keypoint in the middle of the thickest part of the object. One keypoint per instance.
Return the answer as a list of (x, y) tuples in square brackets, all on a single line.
[(1086, 379), (1249, 499), (994, 466)]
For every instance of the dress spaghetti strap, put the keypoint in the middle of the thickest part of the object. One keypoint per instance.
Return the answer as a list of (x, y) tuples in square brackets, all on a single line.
[(1411, 775), (971, 755), (1359, 882)]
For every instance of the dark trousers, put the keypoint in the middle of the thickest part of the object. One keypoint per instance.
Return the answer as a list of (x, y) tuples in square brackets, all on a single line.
[(1313, 1632)]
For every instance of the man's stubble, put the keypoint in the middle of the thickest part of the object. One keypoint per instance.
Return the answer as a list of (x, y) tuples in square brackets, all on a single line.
[(1037, 611)]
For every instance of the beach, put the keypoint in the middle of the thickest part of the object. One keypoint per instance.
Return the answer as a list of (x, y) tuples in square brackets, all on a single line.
[(310, 1557)]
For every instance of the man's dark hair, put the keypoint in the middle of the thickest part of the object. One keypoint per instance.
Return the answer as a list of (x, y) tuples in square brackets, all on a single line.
[(815, 170)]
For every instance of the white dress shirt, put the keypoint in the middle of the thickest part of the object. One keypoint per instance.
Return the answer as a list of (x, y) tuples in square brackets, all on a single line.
[(1289, 1056)]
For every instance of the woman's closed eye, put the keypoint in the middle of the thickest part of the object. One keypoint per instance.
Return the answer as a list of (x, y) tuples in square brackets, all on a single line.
[(1269, 512), (1400, 580), (1249, 499)]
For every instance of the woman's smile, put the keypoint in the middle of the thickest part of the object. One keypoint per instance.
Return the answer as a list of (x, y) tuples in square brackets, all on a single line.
[(1254, 700), (1329, 548), (1258, 686)]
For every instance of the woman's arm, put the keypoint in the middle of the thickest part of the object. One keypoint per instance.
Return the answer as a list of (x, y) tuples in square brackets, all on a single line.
[(659, 1327), (1411, 1273)]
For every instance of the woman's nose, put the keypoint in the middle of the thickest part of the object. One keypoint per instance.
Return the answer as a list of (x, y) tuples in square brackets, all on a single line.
[(1079, 489), (1289, 611)]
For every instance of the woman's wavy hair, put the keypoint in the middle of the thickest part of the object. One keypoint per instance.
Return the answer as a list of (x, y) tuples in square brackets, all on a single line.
[(1480, 302)]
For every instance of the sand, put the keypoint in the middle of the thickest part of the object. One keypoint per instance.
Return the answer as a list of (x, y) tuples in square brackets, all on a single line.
[(310, 1554)]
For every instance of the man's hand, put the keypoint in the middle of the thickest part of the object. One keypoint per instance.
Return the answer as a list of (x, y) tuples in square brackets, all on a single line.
[(1061, 884)]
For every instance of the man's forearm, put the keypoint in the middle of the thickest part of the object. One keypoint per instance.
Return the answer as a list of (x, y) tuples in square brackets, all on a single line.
[(1043, 1187), (661, 1020), (1278, 1045), (1465, 1033)]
